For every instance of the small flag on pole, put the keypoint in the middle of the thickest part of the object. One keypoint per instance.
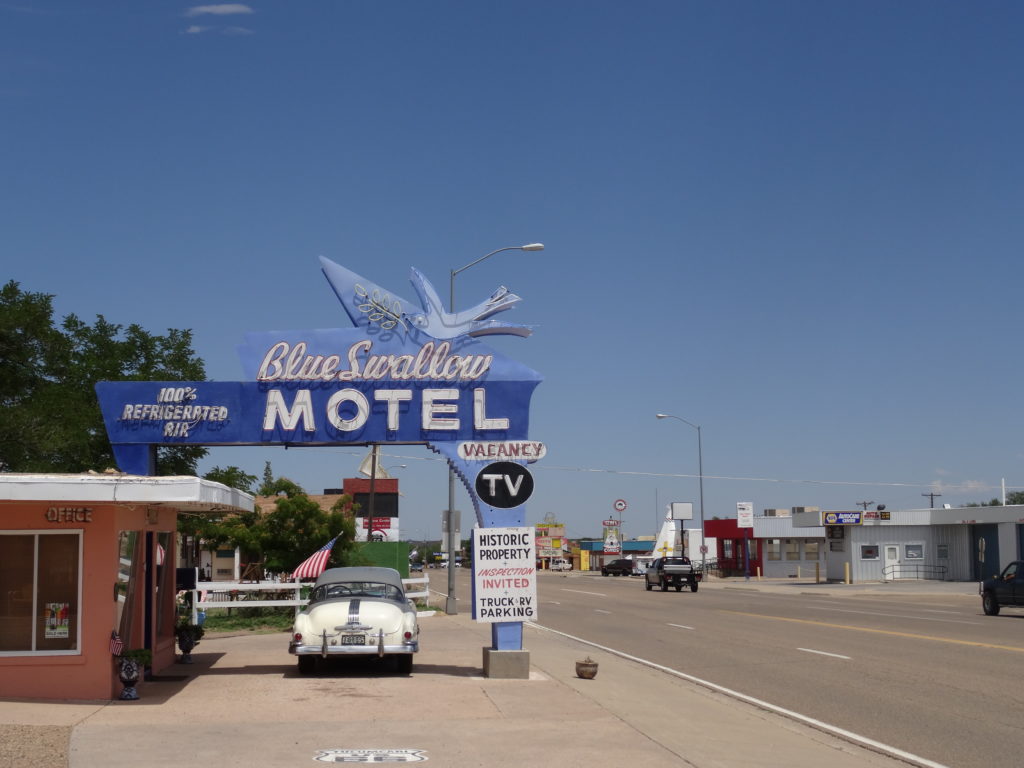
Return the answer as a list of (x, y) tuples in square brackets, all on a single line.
[(116, 643), (315, 564)]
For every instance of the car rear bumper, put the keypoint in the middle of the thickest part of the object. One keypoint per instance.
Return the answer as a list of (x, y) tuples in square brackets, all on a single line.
[(352, 650)]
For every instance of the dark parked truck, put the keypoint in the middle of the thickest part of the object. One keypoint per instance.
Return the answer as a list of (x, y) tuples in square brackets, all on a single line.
[(1005, 589), (672, 571)]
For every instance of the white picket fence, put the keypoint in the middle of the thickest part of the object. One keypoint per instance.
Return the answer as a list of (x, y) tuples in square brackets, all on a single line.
[(225, 594)]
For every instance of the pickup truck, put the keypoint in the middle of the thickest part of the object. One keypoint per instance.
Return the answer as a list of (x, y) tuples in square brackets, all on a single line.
[(1005, 589), (672, 571)]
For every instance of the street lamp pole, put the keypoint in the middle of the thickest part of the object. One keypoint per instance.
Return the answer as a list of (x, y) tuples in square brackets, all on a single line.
[(450, 603), (700, 471)]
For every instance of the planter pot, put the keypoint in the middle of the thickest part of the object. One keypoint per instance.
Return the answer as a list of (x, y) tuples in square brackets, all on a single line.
[(128, 672), (186, 643), (586, 669)]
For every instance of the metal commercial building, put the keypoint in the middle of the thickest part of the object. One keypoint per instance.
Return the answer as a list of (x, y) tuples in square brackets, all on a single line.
[(949, 544)]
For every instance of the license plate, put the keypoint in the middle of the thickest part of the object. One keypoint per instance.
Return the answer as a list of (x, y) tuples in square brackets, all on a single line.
[(353, 640)]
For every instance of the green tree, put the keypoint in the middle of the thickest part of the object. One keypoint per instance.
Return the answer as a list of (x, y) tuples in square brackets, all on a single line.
[(232, 477), (284, 536), (50, 418), (1012, 498), (268, 481), (298, 527)]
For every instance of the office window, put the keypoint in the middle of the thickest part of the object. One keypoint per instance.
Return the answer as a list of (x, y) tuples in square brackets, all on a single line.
[(812, 550), (39, 592), (943, 551), (774, 547), (869, 552), (792, 549), (913, 551)]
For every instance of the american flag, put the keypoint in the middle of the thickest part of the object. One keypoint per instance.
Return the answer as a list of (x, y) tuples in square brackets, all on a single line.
[(315, 564), (116, 643)]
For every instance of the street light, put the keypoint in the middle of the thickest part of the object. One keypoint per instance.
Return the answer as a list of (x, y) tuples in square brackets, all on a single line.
[(700, 469), (450, 605)]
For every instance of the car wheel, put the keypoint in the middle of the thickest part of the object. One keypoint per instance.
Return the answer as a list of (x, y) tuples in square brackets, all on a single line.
[(404, 664), (648, 585), (664, 585), (307, 665), (604, 573), (989, 604), (693, 586)]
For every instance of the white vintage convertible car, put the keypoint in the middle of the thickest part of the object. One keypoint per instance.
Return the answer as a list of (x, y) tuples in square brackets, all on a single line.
[(356, 612)]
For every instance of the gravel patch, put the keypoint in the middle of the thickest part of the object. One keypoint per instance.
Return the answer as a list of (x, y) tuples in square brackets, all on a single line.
[(34, 746)]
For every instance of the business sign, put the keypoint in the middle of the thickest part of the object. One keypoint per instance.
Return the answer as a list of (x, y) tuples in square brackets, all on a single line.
[(612, 537), (841, 518), (511, 450), (504, 574), (744, 514), (408, 373), (504, 484)]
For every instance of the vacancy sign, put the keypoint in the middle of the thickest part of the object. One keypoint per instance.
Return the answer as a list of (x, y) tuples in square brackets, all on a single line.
[(504, 574)]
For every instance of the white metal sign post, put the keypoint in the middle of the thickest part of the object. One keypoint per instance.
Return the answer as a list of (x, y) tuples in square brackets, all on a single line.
[(504, 574)]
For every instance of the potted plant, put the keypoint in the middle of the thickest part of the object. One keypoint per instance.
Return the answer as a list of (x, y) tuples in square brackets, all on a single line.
[(587, 669), (129, 668), (188, 636)]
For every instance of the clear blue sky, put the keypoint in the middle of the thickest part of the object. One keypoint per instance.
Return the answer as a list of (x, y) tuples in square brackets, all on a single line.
[(797, 224)]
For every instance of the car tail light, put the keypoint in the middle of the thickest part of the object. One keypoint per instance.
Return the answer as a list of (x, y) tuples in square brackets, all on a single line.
[(408, 635), (298, 637)]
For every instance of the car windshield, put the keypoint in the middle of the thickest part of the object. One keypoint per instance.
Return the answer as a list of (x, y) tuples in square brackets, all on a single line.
[(357, 589)]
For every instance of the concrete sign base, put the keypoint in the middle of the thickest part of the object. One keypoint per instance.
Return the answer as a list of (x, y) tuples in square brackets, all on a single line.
[(506, 665)]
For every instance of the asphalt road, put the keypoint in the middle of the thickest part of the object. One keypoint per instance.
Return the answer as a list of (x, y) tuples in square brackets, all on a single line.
[(930, 674)]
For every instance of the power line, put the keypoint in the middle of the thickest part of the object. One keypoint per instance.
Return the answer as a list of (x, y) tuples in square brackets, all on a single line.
[(966, 486)]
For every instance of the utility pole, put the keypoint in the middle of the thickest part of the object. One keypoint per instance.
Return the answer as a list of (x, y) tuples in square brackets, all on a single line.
[(864, 504), (931, 499)]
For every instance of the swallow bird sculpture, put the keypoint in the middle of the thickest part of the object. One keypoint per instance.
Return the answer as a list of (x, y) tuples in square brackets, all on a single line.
[(367, 303)]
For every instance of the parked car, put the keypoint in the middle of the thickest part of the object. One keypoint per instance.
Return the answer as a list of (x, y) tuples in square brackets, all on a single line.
[(558, 564), (617, 568), (415, 566), (1005, 589), (356, 612)]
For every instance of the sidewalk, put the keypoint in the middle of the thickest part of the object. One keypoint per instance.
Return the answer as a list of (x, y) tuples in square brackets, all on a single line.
[(243, 704)]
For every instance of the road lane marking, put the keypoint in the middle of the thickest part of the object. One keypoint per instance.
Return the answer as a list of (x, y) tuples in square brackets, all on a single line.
[(825, 653), (681, 626), (598, 610), (889, 632), (581, 592), (897, 615), (820, 725)]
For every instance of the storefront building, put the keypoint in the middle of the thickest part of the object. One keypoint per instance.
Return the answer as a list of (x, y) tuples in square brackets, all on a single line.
[(85, 556), (954, 544)]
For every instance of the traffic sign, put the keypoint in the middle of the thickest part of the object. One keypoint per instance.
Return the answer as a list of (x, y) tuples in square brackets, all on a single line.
[(504, 484), (619, 505)]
